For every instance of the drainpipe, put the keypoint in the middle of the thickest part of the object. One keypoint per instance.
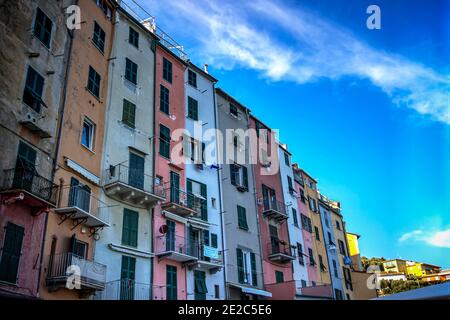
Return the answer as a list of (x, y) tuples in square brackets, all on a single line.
[(255, 193), (58, 141), (219, 177)]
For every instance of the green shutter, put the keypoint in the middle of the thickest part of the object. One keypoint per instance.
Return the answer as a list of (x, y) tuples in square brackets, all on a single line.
[(192, 108), (242, 218), (254, 274), (245, 176), (279, 276), (204, 208), (12, 247), (129, 113), (214, 240), (130, 227), (233, 174), (171, 283), (206, 237), (240, 265), (164, 141), (200, 285)]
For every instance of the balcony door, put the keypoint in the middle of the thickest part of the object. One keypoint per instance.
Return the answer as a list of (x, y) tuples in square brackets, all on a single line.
[(269, 198), (25, 167), (170, 236), (79, 195), (174, 187), (274, 241), (127, 276), (78, 248), (136, 171)]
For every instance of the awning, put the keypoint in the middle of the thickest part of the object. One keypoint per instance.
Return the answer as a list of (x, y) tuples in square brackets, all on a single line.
[(83, 171), (251, 290)]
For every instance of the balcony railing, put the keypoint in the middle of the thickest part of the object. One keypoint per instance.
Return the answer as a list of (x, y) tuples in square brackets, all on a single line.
[(77, 203), (92, 275), (274, 209), (208, 258), (176, 248), (128, 289), (184, 203), (29, 180), (133, 186), (279, 251)]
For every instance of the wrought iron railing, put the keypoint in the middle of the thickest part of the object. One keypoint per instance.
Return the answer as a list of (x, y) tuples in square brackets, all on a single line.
[(128, 289), (187, 199), (274, 205), (63, 265), (135, 178), (81, 198), (277, 246), (30, 181), (177, 244)]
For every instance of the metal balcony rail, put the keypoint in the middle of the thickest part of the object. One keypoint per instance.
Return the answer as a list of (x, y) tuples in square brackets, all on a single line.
[(176, 244), (277, 246), (128, 289), (92, 274), (81, 203), (29, 180), (186, 199), (274, 205), (135, 178)]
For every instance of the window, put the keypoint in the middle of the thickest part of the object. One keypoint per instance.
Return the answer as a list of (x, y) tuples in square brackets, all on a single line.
[(316, 232), (11, 252), (342, 247), (347, 278), (87, 136), (43, 28), (164, 99), (105, 8), (304, 284), (136, 170), (279, 277), (164, 141), (129, 113), (338, 294), (216, 291), (200, 285), (321, 265), (131, 71), (242, 218), (300, 254), (325, 217), (99, 37), (94, 82), (311, 257), (246, 262), (79, 195), (133, 37), (239, 176), (302, 196), (214, 243), (313, 283), (26, 157), (306, 223), (78, 248), (167, 70), (312, 204), (294, 215), (286, 159), (233, 110), (338, 226), (130, 227), (171, 283), (290, 185), (193, 150), (192, 109), (197, 190), (127, 276), (330, 239), (32, 94), (192, 78), (335, 269)]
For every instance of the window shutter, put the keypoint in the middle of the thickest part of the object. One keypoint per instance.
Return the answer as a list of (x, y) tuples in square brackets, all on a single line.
[(245, 176), (254, 274), (206, 237), (205, 202), (232, 174), (12, 248), (213, 240), (240, 265)]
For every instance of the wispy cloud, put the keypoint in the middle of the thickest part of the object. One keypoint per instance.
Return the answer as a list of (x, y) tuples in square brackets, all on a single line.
[(436, 238), (292, 44)]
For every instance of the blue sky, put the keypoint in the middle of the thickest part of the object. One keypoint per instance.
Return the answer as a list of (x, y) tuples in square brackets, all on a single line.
[(364, 111)]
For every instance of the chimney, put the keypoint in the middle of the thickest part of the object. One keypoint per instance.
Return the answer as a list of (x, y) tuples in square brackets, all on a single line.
[(205, 68)]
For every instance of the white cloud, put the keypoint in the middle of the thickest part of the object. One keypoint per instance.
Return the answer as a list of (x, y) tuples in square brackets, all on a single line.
[(435, 238), (293, 44)]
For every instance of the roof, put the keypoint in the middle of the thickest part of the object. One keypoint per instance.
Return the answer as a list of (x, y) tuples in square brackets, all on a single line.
[(225, 95), (354, 234), (200, 70)]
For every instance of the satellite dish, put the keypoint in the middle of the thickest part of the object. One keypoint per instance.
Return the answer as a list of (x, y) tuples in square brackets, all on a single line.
[(163, 229), (96, 236), (173, 117)]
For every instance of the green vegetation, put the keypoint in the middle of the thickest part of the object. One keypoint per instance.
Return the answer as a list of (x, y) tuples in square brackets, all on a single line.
[(366, 262), (396, 286)]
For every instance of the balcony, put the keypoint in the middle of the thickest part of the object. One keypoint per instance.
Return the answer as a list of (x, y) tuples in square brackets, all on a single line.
[(279, 251), (128, 289), (323, 291), (132, 186), (37, 190), (92, 274), (175, 248), (209, 259), (183, 203), (273, 209), (82, 207)]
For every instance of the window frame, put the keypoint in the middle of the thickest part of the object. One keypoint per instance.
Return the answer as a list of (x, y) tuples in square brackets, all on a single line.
[(43, 26), (167, 70), (101, 45), (164, 99), (92, 126), (131, 71), (192, 78), (93, 81), (126, 113), (133, 37)]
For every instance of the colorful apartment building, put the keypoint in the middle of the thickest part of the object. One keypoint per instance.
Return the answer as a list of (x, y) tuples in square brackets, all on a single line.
[(35, 49), (244, 274), (276, 250), (74, 225), (129, 190), (291, 196), (419, 269)]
